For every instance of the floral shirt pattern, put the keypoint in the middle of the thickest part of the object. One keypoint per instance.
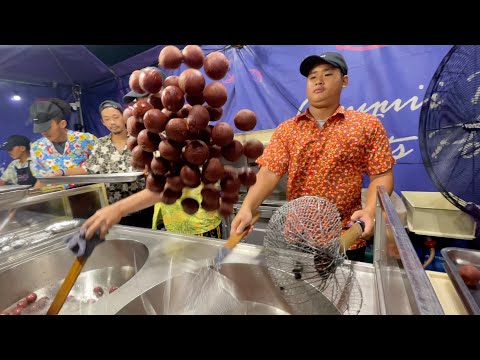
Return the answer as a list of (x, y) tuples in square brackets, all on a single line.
[(46, 159), (178, 221), (329, 161), (106, 159), (10, 174)]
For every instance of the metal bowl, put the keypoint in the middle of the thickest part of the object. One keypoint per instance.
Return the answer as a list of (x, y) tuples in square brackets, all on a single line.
[(244, 289), (112, 264)]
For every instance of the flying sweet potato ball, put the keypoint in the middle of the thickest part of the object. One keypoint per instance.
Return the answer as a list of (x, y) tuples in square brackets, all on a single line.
[(141, 107), (169, 196), (159, 166), (173, 98), (215, 94), (245, 120), (233, 151), (247, 176), (198, 118), (193, 56), (177, 130), (253, 148), (140, 158), (133, 81), (150, 80), (155, 183), (230, 185), (170, 57), (214, 151), (127, 113), (210, 206), (175, 183), (470, 275), (134, 125), (222, 134), (190, 206), (230, 197), (195, 99), (191, 81), (229, 172), (226, 208), (215, 113), (148, 141), (156, 100), (131, 142), (210, 194), (196, 152), (216, 65), (184, 111), (213, 170), (190, 175), (204, 134), (171, 80), (155, 121), (169, 150)]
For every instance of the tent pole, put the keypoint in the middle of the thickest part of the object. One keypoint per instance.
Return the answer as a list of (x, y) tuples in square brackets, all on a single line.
[(77, 91)]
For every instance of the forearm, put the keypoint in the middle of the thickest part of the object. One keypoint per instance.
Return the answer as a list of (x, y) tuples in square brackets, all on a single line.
[(385, 179), (75, 171), (266, 182), (2, 182), (137, 202)]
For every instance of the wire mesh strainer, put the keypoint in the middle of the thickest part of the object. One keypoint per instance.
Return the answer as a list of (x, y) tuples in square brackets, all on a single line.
[(305, 253)]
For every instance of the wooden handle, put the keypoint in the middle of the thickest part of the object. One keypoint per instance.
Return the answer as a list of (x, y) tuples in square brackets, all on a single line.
[(67, 285), (349, 236), (235, 238)]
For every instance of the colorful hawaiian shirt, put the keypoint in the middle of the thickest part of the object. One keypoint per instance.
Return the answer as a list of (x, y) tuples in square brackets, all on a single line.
[(47, 159)]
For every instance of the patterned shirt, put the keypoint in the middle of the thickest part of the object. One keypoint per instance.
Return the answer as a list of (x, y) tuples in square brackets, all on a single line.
[(178, 221), (329, 161), (47, 159), (106, 159), (10, 174)]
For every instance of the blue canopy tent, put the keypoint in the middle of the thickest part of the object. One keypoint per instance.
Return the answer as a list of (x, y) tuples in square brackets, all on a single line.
[(387, 81)]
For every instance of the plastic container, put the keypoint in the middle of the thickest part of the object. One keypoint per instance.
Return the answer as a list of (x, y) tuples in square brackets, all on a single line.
[(429, 213)]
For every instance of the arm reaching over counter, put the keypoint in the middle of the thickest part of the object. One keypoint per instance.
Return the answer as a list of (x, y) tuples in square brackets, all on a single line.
[(267, 180), (110, 215)]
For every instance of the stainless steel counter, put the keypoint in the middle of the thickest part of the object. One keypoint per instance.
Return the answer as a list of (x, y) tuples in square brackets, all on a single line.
[(139, 262)]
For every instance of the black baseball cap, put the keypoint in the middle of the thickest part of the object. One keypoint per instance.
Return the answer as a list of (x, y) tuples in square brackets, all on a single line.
[(110, 104), (41, 112), (332, 58), (132, 95), (15, 140)]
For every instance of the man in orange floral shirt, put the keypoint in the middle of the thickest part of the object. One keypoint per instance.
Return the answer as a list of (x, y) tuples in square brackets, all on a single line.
[(325, 150)]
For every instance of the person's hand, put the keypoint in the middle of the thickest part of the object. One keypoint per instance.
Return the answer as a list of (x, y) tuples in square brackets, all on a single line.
[(56, 173), (242, 221), (102, 220), (79, 245), (367, 217)]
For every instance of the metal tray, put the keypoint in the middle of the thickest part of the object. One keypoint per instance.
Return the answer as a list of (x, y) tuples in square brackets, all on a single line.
[(454, 258), (11, 196), (8, 188), (92, 178)]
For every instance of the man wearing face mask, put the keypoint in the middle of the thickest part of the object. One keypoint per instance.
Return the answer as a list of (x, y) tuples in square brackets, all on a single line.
[(59, 148)]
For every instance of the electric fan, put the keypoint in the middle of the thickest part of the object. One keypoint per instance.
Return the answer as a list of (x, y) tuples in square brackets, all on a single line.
[(449, 128)]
